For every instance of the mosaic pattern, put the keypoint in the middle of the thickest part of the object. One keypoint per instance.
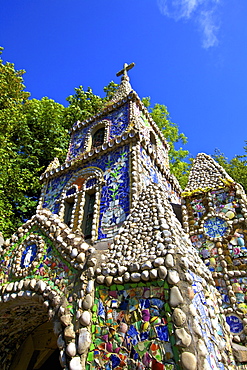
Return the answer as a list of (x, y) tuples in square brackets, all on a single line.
[(146, 128), (198, 208), (222, 289), (239, 286), (215, 227), (54, 190), (114, 204), (150, 174), (207, 251), (237, 247), (225, 202), (200, 302), (28, 255), (132, 328), (118, 124), (235, 323), (49, 264)]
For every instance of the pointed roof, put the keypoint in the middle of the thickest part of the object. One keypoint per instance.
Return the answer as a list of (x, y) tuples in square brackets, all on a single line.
[(206, 173), (150, 232)]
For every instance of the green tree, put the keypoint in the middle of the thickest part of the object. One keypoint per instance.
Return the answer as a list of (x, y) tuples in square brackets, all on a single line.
[(84, 104), (177, 157), (236, 167)]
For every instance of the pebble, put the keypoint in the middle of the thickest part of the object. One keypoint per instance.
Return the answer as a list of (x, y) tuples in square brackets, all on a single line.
[(189, 361), (158, 261), (184, 339), (69, 333), (153, 274), (90, 286), (169, 260), (162, 272), (108, 280), (85, 318), (88, 302), (202, 349), (60, 342), (147, 265), (75, 364), (71, 349), (84, 340), (145, 275), (173, 277), (175, 297), (135, 276), (178, 317)]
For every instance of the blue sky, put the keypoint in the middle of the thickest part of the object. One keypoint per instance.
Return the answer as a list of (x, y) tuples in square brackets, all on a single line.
[(190, 55)]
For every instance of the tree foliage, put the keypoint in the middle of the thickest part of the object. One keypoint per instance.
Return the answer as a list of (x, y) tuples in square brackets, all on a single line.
[(236, 167)]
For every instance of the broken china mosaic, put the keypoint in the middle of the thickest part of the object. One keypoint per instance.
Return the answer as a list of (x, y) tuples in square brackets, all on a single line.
[(114, 198), (145, 130), (35, 257), (222, 244), (118, 122), (150, 174), (210, 329), (132, 328)]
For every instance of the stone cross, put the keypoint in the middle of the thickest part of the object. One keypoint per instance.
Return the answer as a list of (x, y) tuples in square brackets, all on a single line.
[(126, 68)]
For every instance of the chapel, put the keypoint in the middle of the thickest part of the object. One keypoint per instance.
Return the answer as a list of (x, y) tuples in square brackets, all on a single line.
[(121, 269)]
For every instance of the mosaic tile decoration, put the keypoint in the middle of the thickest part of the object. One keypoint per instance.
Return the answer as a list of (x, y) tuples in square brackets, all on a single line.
[(119, 119), (198, 208), (132, 328), (215, 227), (114, 206), (151, 174), (239, 285), (225, 202), (49, 264), (207, 251), (200, 302)]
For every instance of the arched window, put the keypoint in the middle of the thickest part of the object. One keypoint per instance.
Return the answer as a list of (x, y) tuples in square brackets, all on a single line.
[(80, 201), (98, 137), (88, 215)]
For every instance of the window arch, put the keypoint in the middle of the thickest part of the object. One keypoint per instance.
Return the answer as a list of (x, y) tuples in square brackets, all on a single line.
[(79, 202), (97, 135)]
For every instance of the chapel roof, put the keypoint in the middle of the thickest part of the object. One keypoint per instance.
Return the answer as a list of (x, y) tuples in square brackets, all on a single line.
[(150, 233), (206, 173)]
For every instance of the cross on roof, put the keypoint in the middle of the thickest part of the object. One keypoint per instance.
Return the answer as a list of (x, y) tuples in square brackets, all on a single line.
[(126, 68)]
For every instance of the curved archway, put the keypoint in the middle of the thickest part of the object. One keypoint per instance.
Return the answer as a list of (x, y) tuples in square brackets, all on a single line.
[(29, 325)]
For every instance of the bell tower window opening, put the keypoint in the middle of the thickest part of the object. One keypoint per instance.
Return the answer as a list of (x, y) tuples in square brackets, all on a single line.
[(80, 202), (98, 137), (88, 214), (69, 206), (152, 140)]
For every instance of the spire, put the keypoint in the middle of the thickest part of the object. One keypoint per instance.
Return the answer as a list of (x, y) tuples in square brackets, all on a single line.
[(124, 88), (206, 173)]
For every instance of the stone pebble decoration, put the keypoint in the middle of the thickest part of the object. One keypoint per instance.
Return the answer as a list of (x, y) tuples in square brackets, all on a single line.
[(151, 285), (215, 216), (147, 301)]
